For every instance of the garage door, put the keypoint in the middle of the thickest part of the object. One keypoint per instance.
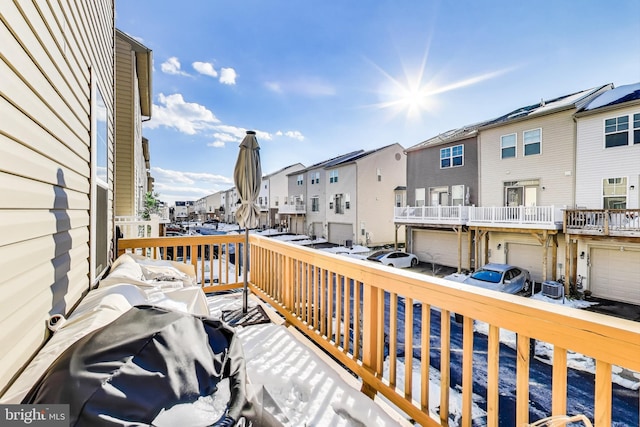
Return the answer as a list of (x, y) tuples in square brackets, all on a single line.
[(339, 233), (615, 274), (440, 247), (530, 258)]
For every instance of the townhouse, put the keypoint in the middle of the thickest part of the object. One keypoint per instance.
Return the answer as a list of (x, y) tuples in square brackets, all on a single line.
[(57, 174), (132, 179), (442, 182), (346, 199), (526, 168), (602, 233), (273, 191)]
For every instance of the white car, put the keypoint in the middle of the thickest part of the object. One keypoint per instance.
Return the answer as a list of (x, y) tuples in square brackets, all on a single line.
[(394, 258)]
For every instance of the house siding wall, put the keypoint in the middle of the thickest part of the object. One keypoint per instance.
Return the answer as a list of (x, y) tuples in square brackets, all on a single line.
[(346, 185), (423, 170), (376, 199), (50, 50), (554, 167), (594, 162), (125, 132)]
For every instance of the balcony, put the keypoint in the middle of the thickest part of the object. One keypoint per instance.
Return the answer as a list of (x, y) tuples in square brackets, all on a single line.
[(365, 315), (538, 217), (603, 222), (531, 217), (433, 215), (292, 209)]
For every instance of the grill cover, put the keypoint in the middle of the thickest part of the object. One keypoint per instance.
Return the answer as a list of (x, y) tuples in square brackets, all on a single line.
[(148, 359)]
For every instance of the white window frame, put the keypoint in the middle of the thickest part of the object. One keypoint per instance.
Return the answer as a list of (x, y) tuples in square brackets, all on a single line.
[(315, 204), (624, 180), (525, 143), (446, 153), (97, 182), (514, 146), (300, 179), (420, 193), (333, 176)]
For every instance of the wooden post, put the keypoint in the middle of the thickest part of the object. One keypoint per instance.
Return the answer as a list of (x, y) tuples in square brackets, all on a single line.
[(459, 230), (370, 351), (567, 261)]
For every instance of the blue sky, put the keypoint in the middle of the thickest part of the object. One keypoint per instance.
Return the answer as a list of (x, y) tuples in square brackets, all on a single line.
[(319, 79)]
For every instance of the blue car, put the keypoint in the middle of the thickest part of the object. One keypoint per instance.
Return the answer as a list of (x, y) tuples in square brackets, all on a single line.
[(501, 277)]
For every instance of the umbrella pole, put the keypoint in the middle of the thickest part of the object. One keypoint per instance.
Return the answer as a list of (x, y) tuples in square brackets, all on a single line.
[(245, 251)]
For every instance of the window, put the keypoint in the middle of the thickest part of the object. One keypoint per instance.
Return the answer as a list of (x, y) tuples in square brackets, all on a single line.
[(314, 177), (457, 195), (508, 146), (614, 193), (616, 132), (636, 128), (379, 173), (276, 201), (300, 179), (347, 201), (315, 204), (398, 200), (420, 194), (99, 232), (333, 177), (339, 205), (532, 140), (451, 156)]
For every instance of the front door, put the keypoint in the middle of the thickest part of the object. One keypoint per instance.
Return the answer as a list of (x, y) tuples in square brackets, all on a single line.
[(514, 196)]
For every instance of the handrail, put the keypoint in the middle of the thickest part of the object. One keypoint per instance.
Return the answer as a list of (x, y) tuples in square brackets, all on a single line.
[(329, 297), (351, 309), (602, 221)]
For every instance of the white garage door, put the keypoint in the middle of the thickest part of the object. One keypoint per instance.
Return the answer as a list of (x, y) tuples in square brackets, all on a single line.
[(615, 274), (529, 257), (440, 247), (339, 233)]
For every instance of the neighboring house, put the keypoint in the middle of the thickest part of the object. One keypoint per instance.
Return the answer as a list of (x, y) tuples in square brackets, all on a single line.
[(273, 191), (229, 200), (526, 177), (300, 215), (360, 193), (56, 191), (181, 211), (133, 100), (603, 232), (442, 182)]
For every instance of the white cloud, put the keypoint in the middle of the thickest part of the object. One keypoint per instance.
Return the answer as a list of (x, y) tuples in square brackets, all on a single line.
[(228, 76), (205, 68), (216, 144), (189, 178), (295, 134), (172, 66), (307, 87), (187, 117)]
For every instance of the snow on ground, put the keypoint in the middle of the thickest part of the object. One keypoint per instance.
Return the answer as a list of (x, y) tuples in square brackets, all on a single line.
[(306, 391), (577, 361)]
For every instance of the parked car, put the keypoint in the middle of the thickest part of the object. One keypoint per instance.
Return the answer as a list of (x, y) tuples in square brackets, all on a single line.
[(501, 277), (394, 258)]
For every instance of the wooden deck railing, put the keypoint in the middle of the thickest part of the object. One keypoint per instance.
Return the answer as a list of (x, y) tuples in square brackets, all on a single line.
[(365, 315), (602, 222)]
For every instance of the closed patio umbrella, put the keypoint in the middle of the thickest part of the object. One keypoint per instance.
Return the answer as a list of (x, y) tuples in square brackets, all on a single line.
[(248, 176)]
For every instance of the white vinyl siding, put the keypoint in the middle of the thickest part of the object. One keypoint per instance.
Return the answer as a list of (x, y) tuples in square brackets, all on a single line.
[(554, 166), (594, 162), (50, 53)]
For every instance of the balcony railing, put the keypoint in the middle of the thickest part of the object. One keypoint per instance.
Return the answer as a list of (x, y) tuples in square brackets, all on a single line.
[(541, 217), (545, 217), (132, 227), (603, 222), (432, 214), (295, 208), (365, 315)]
